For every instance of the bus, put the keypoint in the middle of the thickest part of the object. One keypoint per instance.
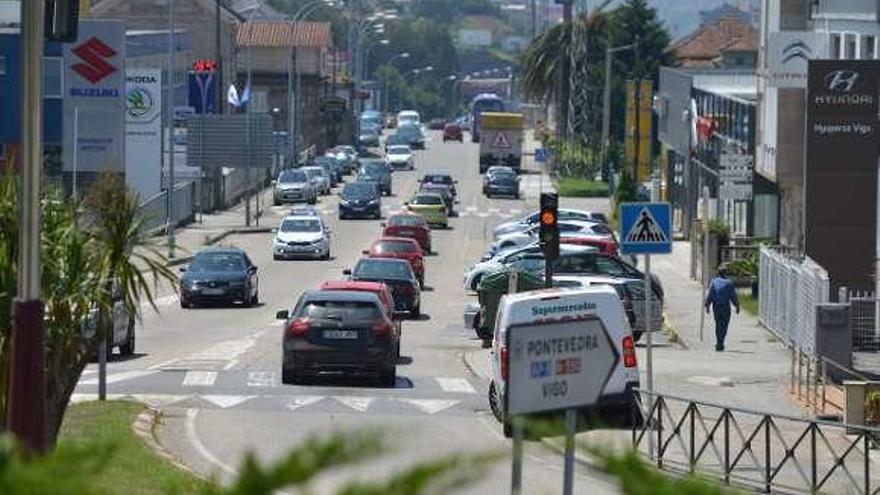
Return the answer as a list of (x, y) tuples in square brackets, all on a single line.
[(486, 102)]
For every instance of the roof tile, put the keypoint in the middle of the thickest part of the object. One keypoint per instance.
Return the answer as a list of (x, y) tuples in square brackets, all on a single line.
[(269, 34)]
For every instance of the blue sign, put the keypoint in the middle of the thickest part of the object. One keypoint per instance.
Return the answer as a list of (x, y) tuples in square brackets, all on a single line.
[(202, 93), (645, 228), (541, 155)]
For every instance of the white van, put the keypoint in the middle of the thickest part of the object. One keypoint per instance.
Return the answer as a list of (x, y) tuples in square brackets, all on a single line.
[(545, 306), (409, 117)]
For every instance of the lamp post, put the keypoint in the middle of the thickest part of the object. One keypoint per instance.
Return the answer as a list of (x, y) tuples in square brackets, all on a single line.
[(385, 82), (453, 78), (606, 101), (428, 68)]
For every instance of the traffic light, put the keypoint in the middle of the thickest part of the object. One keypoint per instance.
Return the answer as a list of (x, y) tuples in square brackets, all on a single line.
[(549, 232), (61, 20)]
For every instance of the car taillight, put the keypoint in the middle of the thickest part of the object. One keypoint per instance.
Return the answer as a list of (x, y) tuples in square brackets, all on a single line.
[(629, 352), (504, 358), (381, 328), (299, 327)]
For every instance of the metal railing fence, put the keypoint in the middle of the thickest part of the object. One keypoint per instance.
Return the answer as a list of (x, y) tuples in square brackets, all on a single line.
[(767, 452), (789, 289), (154, 209)]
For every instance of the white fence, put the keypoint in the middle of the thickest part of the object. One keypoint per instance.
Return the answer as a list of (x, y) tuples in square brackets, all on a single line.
[(789, 289)]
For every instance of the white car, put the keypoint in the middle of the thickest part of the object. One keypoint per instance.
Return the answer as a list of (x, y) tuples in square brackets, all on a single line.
[(596, 309), (529, 258), (531, 219), (571, 229), (400, 157), (319, 178), (408, 117), (301, 236)]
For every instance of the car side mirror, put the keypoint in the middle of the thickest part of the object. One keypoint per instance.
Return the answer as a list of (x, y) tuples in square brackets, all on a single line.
[(274, 182), (347, 271), (182, 269), (383, 224), (399, 315), (282, 315), (365, 252)]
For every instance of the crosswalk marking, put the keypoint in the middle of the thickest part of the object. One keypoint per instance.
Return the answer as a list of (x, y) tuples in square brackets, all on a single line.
[(456, 385), (261, 379), (199, 378), (494, 211), (303, 400), (360, 404), (119, 377), (483, 214), (431, 406), (225, 401)]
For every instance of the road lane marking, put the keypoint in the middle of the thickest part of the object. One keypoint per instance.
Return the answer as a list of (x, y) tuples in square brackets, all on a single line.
[(225, 401), (471, 209), (494, 211), (430, 406), (483, 214), (199, 378), (456, 385), (119, 377), (515, 211), (360, 404), (299, 401), (261, 379), (193, 437)]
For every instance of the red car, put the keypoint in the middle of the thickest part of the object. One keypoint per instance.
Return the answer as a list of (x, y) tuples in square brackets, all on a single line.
[(408, 225), (452, 132), (403, 248), (603, 244)]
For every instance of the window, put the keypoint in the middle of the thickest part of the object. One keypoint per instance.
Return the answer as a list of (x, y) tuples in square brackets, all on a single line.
[(834, 48), (868, 50), (52, 84), (3, 65), (850, 46)]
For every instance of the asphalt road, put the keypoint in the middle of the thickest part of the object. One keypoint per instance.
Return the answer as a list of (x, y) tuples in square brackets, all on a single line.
[(215, 372)]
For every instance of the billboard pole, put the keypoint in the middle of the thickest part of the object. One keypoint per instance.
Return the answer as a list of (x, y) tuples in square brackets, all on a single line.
[(649, 347), (171, 181)]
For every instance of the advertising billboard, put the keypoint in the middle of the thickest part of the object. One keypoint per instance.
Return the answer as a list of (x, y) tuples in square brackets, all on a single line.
[(143, 127), (788, 53), (94, 100), (843, 142)]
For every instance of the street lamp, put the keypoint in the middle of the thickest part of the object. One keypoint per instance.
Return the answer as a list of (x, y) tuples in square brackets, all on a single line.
[(428, 68), (606, 101), (385, 82)]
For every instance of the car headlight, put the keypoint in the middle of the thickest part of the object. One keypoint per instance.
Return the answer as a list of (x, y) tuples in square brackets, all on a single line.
[(190, 284), (374, 201), (344, 202)]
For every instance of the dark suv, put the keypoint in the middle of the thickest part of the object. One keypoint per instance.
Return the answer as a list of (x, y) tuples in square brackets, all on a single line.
[(360, 200)]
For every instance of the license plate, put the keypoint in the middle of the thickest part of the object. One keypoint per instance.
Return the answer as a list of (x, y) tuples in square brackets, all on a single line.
[(407, 232), (214, 292), (340, 334)]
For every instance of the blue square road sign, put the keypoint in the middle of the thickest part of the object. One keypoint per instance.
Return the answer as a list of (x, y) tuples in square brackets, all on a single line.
[(645, 228)]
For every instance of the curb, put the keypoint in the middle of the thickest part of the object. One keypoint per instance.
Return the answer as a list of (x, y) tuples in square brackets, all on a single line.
[(558, 447), (144, 427), (211, 240)]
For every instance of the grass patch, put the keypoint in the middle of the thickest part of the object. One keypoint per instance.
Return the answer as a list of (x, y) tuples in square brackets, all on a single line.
[(579, 187), (133, 469), (749, 304)]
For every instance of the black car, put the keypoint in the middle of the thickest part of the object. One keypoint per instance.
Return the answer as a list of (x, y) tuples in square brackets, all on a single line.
[(440, 178), (333, 167), (396, 274), (375, 170), (338, 331), (360, 200), (219, 275), (501, 183), (411, 134), (444, 191)]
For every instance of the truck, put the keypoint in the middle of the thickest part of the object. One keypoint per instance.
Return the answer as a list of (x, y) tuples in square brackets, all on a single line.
[(501, 140)]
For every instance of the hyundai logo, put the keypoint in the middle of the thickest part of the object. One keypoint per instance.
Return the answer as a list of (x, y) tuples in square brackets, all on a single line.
[(842, 81)]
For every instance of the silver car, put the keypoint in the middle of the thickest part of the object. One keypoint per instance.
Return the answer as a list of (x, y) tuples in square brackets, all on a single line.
[(319, 178), (293, 185)]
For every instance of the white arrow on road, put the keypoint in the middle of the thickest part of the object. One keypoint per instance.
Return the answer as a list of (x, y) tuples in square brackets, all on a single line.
[(360, 404), (299, 401), (431, 406), (224, 401)]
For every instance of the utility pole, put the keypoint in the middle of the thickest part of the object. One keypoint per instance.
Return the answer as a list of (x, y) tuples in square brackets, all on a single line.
[(26, 417), (169, 204), (564, 93)]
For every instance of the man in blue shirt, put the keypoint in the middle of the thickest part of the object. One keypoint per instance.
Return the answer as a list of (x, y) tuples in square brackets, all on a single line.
[(721, 294)]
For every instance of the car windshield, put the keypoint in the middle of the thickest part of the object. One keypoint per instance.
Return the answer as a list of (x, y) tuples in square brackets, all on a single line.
[(372, 168), (504, 176), (367, 268), (398, 150), (438, 179), (217, 262), (427, 199), (406, 221), (394, 247), (359, 190), (340, 310), (289, 176), (315, 171), (300, 225)]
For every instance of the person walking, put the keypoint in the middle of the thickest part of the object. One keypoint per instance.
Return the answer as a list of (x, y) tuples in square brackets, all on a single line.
[(720, 296)]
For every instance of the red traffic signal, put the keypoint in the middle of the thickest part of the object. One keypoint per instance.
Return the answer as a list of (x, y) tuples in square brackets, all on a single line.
[(549, 231)]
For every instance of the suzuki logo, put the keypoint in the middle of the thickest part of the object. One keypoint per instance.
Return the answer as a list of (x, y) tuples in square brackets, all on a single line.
[(94, 53), (843, 81)]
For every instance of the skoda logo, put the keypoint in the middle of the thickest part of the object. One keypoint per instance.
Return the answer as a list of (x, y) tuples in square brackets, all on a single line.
[(842, 81), (138, 102)]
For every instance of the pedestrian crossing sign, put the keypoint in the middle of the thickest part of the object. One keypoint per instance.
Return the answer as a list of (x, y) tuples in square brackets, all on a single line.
[(501, 141), (645, 228)]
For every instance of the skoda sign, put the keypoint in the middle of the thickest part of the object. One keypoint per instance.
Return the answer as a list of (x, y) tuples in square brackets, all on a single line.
[(143, 141), (138, 101)]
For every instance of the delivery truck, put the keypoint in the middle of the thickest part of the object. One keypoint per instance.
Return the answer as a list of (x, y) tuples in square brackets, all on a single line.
[(501, 140)]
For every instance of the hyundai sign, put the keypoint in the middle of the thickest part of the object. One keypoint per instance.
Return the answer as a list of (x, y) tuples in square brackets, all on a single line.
[(94, 100)]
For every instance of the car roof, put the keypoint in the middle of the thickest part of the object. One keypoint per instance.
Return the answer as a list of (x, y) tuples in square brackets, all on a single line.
[(312, 167), (384, 260), (427, 193), (302, 217), (596, 279), (354, 285), (341, 295)]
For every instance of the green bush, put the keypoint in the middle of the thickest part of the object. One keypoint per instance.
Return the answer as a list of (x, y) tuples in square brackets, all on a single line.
[(579, 187)]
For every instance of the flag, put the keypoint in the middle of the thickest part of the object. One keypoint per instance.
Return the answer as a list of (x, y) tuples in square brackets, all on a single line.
[(246, 95), (232, 96)]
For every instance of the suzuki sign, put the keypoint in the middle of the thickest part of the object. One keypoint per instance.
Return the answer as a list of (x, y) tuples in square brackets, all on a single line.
[(95, 101)]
